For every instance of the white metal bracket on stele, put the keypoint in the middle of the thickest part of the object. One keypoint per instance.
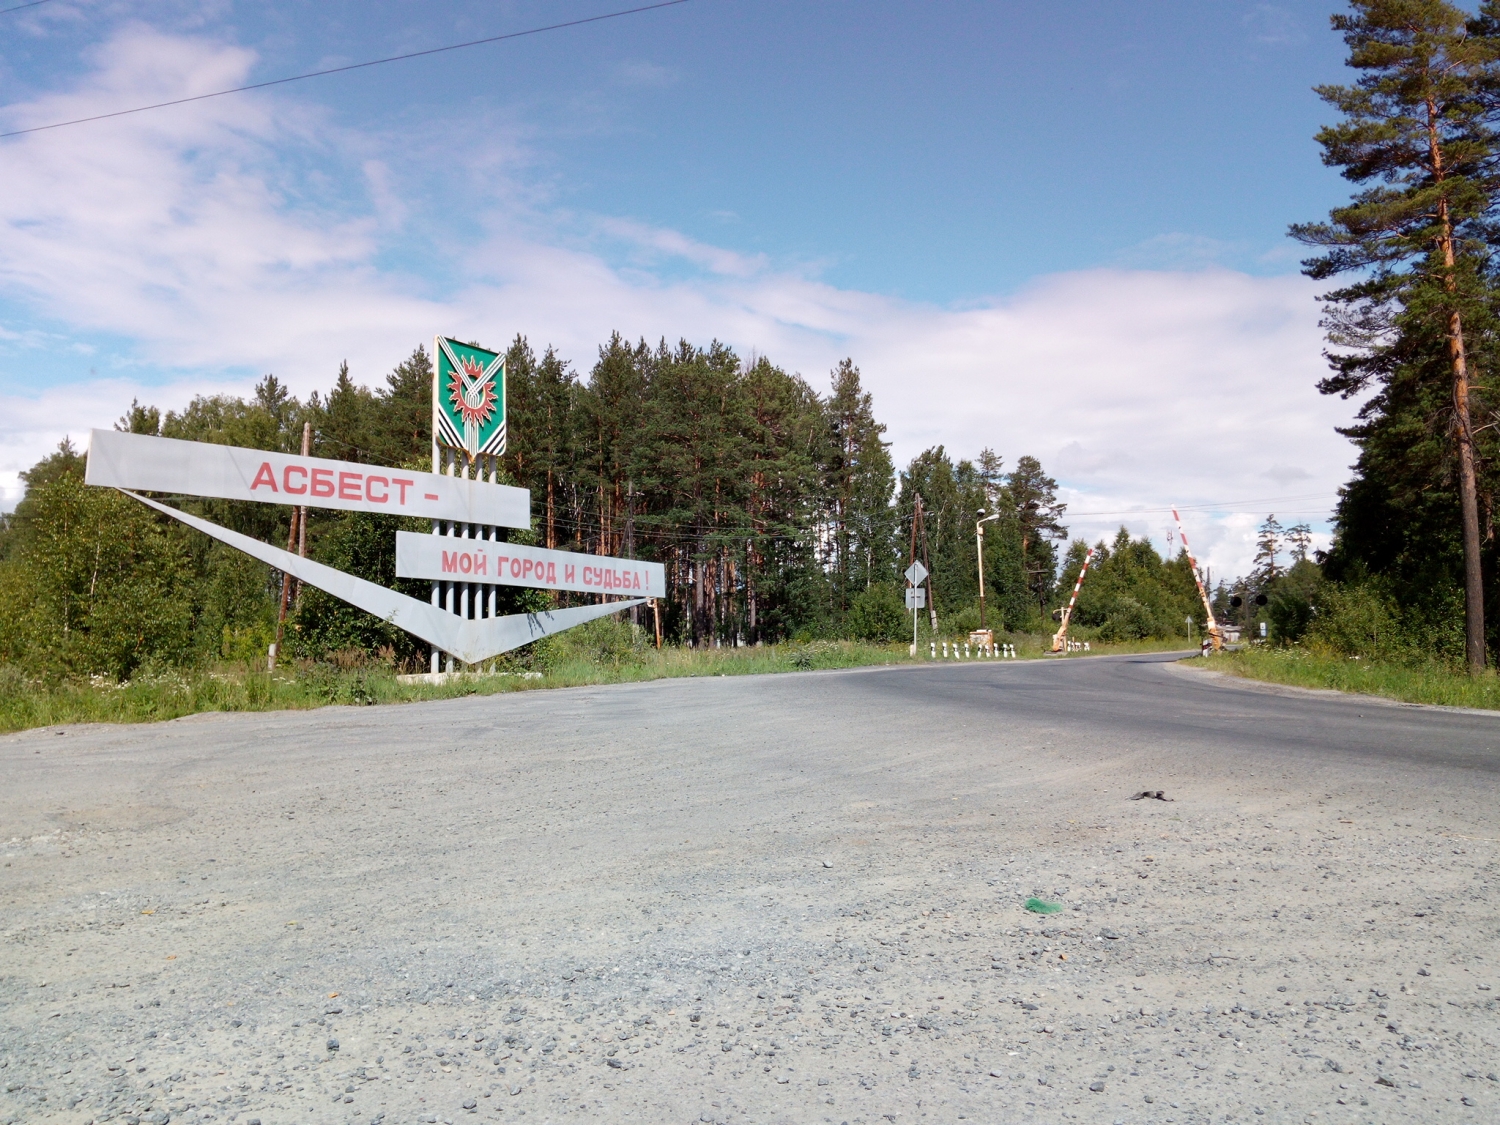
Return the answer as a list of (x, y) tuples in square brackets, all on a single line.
[(471, 641)]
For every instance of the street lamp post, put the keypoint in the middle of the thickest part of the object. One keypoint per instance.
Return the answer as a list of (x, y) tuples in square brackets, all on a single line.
[(979, 550)]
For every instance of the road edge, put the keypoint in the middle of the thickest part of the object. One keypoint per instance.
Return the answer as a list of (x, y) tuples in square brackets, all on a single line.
[(1273, 688)]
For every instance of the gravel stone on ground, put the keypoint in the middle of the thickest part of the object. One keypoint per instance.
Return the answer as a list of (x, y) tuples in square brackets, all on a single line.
[(796, 898)]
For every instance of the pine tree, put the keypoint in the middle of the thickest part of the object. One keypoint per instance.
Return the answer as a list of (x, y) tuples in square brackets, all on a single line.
[(1417, 127), (541, 436), (1267, 545), (343, 431), (860, 479), (784, 425), (1299, 541), (609, 421), (1032, 495), (401, 422)]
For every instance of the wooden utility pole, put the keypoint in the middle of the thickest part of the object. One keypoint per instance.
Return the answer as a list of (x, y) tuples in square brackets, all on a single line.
[(296, 537)]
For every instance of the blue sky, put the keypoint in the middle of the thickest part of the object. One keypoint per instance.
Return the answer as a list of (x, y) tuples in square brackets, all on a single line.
[(1064, 223)]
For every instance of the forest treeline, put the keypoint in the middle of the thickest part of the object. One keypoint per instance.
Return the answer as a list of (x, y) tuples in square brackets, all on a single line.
[(774, 505)]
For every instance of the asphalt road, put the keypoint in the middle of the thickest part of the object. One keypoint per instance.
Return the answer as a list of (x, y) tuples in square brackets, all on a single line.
[(794, 898)]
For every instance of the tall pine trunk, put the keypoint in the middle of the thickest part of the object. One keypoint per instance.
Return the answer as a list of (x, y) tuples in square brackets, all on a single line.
[(1468, 490), (1468, 498)]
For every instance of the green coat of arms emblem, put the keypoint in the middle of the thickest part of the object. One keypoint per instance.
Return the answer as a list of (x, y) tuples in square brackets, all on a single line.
[(468, 398)]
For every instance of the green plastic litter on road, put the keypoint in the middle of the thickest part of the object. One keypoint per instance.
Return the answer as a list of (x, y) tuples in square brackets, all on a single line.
[(1037, 906)]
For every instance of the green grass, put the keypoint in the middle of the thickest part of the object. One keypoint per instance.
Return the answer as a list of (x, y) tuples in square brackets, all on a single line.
[(589, 657), (1301, 668), (151, 697)]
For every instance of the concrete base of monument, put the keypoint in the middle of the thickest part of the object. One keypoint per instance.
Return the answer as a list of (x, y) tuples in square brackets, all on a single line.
[(449, 677)]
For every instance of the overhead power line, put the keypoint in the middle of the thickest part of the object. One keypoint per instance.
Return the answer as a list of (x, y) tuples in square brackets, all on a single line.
[(18, 7), (343, 69), (1212, 506)]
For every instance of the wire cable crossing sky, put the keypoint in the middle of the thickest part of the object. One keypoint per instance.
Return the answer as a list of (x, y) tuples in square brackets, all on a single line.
[(340, 69)]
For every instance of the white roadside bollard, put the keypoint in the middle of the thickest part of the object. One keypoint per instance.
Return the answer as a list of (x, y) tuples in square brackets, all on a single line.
[(933, 646), (945, 650)]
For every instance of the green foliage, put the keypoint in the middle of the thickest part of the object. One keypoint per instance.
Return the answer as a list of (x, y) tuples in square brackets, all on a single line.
[(1131, 592), (606, 642), (959, 625), (1365, 620), (859, 477), (769, 504), (1418, 132), (879, 614), (1011, 598), (92, 581), (362, 544), (1439, 684), (1019, 556), (1293, 600), (1127, 620)]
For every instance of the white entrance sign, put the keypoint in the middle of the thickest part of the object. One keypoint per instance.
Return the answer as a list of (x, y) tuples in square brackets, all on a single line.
[(229, 472), (455, 559), (470, 639), (915, 573)]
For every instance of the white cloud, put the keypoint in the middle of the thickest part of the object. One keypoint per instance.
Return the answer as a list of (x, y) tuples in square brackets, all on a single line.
[(1274, 26), (645, 74), (192, 235)]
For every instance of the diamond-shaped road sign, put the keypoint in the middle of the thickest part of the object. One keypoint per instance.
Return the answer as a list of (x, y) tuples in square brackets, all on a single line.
[(916, 573)]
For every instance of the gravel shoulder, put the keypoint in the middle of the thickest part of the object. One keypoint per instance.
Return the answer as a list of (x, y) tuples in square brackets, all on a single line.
[(791, 898)]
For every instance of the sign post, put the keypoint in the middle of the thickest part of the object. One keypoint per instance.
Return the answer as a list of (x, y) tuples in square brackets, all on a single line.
[(916, 597)]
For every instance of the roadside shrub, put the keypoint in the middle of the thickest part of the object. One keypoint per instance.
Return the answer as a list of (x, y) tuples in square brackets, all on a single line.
[(606, 642), (1293, 598), (1128, 620), (1356, 621), (1290, 612), (878, 614), (1363, 619), (962, 623)]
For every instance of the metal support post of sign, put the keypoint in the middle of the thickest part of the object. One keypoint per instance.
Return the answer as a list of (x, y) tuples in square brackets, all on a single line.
[(473, 601), (915, 596)]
